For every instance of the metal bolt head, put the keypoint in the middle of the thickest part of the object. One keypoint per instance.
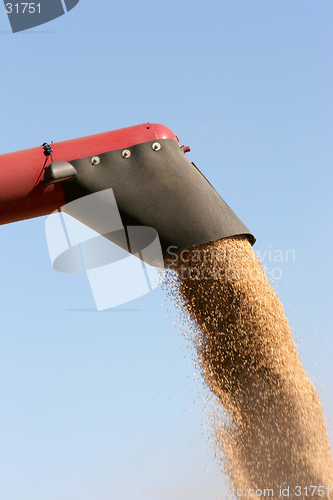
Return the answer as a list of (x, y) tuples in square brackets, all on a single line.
[(156, 146), (95, 160), (126, 153)]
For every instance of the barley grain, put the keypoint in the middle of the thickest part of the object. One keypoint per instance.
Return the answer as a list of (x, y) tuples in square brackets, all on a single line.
[(272, 431)]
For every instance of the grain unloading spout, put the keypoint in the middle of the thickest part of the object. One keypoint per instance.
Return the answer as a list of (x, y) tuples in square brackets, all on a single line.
[(153, 183)]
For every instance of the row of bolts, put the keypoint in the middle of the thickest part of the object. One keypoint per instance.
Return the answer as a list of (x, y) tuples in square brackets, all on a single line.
[(156, 146), (95, 160)]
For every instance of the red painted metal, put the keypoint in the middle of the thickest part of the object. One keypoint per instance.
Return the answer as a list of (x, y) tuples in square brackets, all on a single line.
[(24, 195)]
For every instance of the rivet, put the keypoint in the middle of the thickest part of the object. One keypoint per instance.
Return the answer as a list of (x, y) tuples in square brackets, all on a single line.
[(126, 153), (156, 146), (95, 160)]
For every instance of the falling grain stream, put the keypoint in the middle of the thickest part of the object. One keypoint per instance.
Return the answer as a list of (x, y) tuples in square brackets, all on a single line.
[(273, 436)]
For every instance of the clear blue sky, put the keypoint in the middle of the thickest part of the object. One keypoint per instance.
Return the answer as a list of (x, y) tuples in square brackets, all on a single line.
[(95, 406)]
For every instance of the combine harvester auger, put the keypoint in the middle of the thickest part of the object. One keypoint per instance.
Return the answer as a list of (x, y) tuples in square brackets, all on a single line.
[(153, 184)]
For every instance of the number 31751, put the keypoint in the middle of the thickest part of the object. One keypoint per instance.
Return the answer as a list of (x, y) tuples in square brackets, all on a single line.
[(21, 8)]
